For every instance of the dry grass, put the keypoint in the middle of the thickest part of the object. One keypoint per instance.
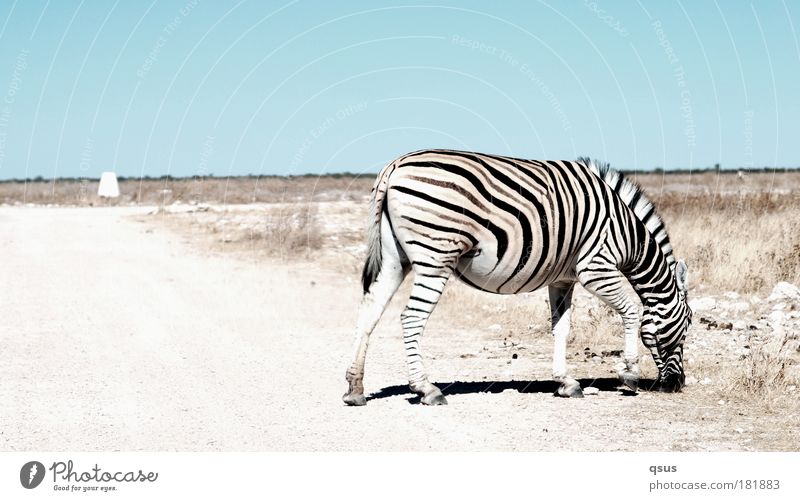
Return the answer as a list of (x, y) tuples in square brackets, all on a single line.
[(744, 243), (764, 368), (768, 374), (711, 184), (524, 314), (595, 328), (159, 192), (286, 231), (292, 232), (763, 372)]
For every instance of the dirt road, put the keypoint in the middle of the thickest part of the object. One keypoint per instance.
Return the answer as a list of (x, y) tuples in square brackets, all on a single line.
[(119, 335)]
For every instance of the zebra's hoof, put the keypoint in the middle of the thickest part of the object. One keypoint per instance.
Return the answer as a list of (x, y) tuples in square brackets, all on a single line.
[(570, 389), (434, 398), (671, 383), (630, 382), (356, 399)]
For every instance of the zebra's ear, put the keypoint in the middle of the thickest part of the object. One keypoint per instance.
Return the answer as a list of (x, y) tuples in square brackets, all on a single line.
[(681, 274)]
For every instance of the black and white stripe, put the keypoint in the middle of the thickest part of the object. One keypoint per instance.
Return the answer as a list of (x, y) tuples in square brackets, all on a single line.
[(509, 226)]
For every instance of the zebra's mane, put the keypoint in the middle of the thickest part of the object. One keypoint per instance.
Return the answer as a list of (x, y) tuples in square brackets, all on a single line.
[(636, 199)]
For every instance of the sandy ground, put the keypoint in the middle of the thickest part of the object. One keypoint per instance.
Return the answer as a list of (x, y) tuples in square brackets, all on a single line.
[(118, 334)]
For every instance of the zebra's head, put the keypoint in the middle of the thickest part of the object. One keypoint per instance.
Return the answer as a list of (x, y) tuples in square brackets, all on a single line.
[(664, 325)]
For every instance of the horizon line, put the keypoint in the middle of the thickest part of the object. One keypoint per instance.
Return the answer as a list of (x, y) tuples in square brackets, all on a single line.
[(655, 170)]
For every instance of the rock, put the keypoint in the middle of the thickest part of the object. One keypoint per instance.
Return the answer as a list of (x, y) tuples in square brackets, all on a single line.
[(721, 402), (739, 325), (731, 295), (784, 291), (702, 304), (725, 326), (739, 306), (495, 327), (691, 380), (779, 306), (706, 381), (710, 322), (775, 318), (591, 390)]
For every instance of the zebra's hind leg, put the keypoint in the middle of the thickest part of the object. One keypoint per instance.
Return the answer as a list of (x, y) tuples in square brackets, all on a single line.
[(603, 280), (560, 307), (372, 305), (429, 281)]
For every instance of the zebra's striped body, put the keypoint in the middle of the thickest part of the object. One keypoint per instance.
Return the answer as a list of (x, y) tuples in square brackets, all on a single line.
[(510, 226)]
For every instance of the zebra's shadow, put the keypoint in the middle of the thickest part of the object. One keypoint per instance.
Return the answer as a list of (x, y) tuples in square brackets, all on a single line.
[(607, 384)]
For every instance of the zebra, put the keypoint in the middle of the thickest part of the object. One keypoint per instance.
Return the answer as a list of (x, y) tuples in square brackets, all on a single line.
[(509, 226)]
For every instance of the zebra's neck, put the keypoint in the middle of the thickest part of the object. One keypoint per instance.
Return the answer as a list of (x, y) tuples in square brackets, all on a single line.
[(664, 319), (652, 276), (633, 196)]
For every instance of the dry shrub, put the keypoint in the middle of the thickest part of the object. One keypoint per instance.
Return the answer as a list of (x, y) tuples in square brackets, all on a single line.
[(287, 231), (787, 263), (764, 374), (597, 327), (292, 231)]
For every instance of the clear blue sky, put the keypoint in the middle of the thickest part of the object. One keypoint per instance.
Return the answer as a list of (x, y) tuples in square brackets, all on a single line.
[(199, 87)]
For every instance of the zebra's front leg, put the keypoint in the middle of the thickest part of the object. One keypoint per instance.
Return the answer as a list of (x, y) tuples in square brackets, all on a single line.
[(560, 307), (429, 281), (629, 375), (602, 279)]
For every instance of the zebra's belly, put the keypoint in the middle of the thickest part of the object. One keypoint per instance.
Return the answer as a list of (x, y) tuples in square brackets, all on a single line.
[(483, 272)]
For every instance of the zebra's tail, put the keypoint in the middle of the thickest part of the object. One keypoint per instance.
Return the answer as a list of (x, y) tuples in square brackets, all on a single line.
[(372, 265)]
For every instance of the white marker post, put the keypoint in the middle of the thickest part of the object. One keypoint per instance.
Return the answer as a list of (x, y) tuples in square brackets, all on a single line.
[(109, 187)]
